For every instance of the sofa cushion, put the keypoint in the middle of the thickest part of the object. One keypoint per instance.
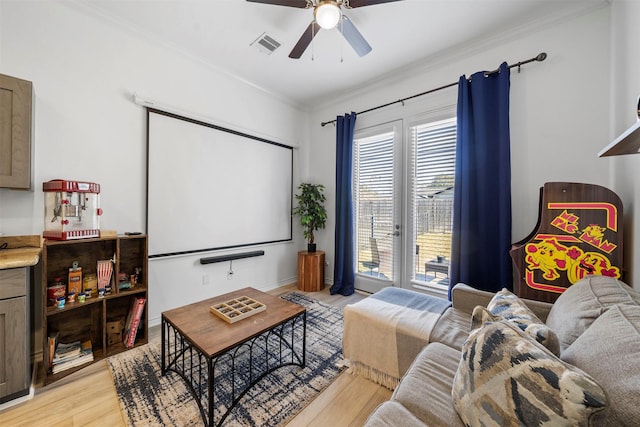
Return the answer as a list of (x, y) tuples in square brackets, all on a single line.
[(509, 307), (425, 390), (577, 307), (452, 328), (505, 377), (390, 413), (609, 350)]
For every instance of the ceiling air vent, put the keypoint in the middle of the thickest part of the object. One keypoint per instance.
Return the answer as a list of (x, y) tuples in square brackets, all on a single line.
[(266, 44)]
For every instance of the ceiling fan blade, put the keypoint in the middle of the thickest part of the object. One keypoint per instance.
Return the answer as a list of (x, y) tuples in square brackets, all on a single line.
[(353, 36), (361, 3), (302, 4), (305, 40)]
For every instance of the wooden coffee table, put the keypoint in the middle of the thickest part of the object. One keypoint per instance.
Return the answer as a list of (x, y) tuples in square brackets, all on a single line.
[(221, 361)]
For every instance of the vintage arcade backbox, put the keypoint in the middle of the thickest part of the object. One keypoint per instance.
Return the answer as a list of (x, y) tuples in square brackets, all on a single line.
[(579, 233)]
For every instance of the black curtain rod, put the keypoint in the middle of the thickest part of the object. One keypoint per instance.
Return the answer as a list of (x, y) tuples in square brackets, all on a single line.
[(540, 57)]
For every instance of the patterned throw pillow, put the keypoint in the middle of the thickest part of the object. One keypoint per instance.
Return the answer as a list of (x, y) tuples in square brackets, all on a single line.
[(505, 378), (509, 307), (480, 316)]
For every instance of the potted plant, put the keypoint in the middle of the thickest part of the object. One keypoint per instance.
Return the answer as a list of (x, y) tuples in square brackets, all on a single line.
[(311, 210)]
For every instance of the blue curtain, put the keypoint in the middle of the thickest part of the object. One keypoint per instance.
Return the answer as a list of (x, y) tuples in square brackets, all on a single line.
[(481, 235), (343, 274)]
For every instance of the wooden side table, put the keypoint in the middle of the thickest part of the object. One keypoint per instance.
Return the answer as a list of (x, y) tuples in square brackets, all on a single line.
[(436, 266), (311, 271)]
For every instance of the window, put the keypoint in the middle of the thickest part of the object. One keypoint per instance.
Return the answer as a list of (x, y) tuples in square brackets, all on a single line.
[(432, 168)]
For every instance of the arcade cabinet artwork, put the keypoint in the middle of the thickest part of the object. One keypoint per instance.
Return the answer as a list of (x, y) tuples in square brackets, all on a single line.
[(579, 233)]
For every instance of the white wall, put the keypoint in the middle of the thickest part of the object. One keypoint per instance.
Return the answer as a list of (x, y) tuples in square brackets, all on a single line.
[(625, 90), (85, 69), (559, 107)]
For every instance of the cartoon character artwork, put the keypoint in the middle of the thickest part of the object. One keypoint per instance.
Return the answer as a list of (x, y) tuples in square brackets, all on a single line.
[(573, 240), (548, 256), (592, 263), (593, 234), (552, 257)]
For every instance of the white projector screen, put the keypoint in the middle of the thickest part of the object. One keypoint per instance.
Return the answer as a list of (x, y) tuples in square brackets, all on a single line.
[(213, 188)]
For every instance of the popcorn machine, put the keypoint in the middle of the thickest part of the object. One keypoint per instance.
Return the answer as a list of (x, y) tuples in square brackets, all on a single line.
[(72, 209)]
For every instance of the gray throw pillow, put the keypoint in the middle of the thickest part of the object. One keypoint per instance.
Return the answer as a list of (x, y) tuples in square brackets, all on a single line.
[(609, 350), (582, 303)]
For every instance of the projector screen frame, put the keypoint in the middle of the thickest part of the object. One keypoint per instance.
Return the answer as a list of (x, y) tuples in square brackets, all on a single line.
[(220, 128)]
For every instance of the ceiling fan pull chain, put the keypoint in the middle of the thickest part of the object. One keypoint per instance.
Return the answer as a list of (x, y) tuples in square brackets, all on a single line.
[(313, 36), (341, 40)]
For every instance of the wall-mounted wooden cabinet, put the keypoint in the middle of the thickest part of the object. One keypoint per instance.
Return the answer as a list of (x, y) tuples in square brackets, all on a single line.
[(15, 132), (93, 319)]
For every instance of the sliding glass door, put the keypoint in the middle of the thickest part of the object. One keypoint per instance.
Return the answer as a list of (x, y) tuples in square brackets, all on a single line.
[(377, 206), (403, 204)]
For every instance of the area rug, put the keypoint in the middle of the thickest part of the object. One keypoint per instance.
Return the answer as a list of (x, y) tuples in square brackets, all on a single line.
[(148, 398)]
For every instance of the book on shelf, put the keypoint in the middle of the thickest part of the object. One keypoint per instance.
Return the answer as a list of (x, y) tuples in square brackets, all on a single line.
[(53, 343), (134, 319), (71, 355), (65, 352)]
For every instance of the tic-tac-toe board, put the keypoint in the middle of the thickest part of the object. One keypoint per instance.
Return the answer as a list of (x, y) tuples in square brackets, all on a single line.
[(237, 309)]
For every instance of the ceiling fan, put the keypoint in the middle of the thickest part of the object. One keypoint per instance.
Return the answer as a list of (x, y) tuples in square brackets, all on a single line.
[(327, 14)]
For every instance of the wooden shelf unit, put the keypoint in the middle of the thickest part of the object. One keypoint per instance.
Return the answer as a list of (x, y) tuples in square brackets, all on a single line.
[(87, 320)]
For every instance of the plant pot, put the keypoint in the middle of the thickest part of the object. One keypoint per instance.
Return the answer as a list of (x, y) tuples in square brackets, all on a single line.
[(311, 247)]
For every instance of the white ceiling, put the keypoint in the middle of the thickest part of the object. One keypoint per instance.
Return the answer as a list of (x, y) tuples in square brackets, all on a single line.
[(402, 34)]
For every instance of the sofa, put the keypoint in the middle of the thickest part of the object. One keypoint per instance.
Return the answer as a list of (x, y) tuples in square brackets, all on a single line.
[(498, 360)]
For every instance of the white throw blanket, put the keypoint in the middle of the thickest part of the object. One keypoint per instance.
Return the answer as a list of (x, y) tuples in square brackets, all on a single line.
[(385, 332)]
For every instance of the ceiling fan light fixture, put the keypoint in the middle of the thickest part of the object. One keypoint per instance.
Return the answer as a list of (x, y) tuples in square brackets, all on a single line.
[(327, 14)]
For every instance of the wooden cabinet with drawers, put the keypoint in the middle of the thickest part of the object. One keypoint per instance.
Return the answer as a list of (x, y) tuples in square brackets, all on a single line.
[(14, 333)]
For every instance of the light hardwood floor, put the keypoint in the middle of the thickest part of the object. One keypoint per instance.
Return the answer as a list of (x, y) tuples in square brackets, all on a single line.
[(88, 397)]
